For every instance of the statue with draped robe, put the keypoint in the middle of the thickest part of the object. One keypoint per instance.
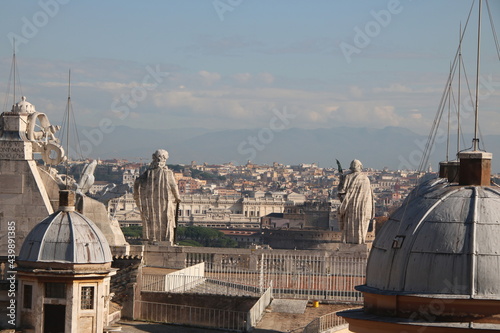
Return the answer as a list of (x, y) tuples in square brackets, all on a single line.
[(157, 197), (357, 207)]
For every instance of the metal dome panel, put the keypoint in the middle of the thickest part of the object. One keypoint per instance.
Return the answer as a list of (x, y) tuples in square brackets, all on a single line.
[(442, 240), (66, 237)]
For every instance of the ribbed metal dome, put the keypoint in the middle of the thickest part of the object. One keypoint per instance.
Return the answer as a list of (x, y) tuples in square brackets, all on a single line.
[(66, 237), (444, 239)]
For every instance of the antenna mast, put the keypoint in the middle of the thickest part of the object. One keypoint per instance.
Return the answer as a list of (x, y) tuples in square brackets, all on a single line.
[(475, 140), (14, 68), (449, 111), (67, 129), (459, 86)]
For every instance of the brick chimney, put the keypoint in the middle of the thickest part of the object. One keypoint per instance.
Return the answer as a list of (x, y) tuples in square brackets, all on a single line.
[(66, 200), (449, 170), (475, 168)]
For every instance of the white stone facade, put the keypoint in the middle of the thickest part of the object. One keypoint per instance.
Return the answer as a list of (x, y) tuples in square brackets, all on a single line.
[(227, 211), (213, 211)]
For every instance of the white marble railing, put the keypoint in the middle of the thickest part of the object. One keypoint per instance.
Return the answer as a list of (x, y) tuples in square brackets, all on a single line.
[(326, 323), (256, 312)]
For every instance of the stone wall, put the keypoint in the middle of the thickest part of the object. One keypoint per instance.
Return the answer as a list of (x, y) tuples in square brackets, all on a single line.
[(179, 257), (302, 239), (309, 239), (97, 213), (125, 283), (21, 187)]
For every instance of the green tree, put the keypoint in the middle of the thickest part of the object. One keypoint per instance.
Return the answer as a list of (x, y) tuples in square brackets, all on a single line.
[(132, 231), (190, 242), (205, 236)]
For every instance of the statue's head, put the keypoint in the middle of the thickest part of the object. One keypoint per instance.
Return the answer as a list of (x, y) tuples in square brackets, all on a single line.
[(356, 166), (159, 158)]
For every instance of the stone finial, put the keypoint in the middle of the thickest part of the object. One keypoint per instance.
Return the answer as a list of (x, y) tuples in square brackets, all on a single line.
[(23, 106)]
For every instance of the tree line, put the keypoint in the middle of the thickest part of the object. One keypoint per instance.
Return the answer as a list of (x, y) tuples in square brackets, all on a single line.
[(188, 236)]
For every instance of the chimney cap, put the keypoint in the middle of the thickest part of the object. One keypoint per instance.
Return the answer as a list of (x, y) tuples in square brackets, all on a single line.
[(475, 154)]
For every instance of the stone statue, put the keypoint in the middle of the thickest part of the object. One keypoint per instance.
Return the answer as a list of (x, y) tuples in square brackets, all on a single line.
[(157, 197), (356, 208), (112, 191), (87, 178), (41, 133)]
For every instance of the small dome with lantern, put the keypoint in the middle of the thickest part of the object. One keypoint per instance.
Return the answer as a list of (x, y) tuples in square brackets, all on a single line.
[(23, 106)]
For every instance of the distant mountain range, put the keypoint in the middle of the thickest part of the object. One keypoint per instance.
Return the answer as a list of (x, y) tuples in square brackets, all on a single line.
[(392, 147)]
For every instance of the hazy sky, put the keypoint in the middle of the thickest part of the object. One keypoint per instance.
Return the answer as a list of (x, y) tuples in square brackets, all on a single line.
[(228, 63)]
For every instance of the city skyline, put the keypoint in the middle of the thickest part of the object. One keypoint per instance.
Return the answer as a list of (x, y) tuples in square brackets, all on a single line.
[(238, 64)]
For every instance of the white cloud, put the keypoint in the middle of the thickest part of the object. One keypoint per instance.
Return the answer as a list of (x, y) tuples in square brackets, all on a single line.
[(209, 78), (201, 104), (242, 77), (356, 91), (266, 78), (314, 116), (113, 87), (393, 88), (386, 114), (239, 100), (415, 114)]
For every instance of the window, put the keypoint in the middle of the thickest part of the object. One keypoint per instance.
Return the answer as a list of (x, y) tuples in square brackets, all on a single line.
[(55, 290), (27, 296), (87, 298)]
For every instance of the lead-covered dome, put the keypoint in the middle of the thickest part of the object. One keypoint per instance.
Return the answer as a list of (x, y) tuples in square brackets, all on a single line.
[(66, 237), (444, 239)]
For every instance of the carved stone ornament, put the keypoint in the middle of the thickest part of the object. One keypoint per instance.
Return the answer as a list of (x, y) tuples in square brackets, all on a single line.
[(24, 123)]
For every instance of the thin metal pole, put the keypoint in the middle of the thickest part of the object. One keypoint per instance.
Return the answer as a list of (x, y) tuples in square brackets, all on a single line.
[(449, 111), (476, 122), (67, 130), (459, 87), (14, 63)]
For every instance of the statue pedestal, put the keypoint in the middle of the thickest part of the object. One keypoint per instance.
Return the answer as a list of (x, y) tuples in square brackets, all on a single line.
[(164, 255), (16, 150)]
